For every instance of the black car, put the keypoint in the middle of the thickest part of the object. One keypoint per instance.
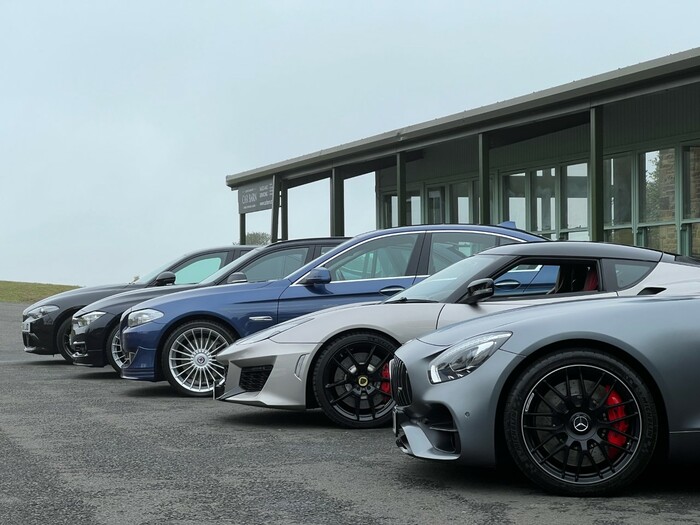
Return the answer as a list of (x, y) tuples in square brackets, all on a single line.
[(95, 338), (46, 324)]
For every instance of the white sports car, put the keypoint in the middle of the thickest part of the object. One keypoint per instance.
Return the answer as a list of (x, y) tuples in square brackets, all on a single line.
[(338, 358)]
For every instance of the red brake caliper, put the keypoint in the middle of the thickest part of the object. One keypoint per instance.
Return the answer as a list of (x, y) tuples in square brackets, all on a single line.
[(386, 385), (614, 414)]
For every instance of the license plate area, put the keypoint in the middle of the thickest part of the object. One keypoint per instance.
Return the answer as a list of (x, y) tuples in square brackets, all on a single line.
[(26, 327)]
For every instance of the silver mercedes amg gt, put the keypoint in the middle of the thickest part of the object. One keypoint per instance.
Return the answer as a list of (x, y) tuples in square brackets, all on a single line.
[(338, 358), (580, 394)]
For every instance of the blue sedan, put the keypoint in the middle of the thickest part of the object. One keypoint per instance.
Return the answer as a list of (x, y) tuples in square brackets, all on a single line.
[(177, 337)]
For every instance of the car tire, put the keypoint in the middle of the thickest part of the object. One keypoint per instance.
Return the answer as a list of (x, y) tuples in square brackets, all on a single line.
[(62, 340), (189, 361), (113, 349), (351, 380), (580, 422)]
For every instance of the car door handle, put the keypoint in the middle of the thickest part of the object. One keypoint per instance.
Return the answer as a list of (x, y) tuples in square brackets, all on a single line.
[(507, 285), (391, 290)]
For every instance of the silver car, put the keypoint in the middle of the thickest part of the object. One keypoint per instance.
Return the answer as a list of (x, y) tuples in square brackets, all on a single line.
[(338, 358), (581, 395)]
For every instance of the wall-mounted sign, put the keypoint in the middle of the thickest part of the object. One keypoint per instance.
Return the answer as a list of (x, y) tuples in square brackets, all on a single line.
[(255, 197)]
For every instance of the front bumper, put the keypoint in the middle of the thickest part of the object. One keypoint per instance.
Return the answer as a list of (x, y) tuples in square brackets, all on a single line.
[(140, 345), (88, 342), (268, 374), (455, 420), (37, 335)]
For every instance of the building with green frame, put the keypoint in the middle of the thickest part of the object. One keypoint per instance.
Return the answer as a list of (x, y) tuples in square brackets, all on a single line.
[(614, 157)]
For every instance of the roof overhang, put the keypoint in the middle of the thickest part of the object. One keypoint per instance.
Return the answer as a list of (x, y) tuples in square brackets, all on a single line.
[(567, 104)]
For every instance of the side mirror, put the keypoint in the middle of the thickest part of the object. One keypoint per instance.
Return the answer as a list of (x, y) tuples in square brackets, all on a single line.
[(236, 277), (165, 278), (479, 290), (317, 276)]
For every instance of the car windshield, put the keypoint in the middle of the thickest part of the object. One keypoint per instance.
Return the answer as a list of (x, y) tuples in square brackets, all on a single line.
[(438, 287), (222, 272)]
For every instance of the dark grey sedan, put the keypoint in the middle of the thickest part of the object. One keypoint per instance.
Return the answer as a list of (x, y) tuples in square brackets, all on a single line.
[(581, 395)]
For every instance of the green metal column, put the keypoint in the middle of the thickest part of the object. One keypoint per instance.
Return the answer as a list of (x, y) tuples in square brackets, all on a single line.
[(337, 202), (595, 173), (285, 211), (401, 188), (484, 180), (241, 228), (274, 228)]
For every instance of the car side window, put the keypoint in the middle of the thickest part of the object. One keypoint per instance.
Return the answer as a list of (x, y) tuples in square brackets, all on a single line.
[(198, 268), (275, 265), (548, 277), (629, 273), (447, 248), (377, 258)]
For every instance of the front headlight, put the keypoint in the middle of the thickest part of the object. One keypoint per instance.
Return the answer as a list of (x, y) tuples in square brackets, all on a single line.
[(140, 317), (465, 357), (272, 331), (86, 319), (41, 311)]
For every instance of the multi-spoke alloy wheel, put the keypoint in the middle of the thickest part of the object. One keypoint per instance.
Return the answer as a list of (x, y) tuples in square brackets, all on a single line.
[(115, 355), (351, 380), (189, 357), (580, 422)]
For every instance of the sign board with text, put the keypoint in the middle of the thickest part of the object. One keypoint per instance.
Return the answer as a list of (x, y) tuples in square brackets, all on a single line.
[(255, 197)]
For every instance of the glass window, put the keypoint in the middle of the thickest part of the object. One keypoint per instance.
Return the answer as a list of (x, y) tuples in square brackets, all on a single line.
[(436, 206), (459, 203), (658, 185), (390, 211), (198, 268), (691, 178), (620, 236), (617, 191), (577, 196), (661, 238), (382, 257), (276, 265), (544, 192), (447, 248), (628, 273), (514, 206), (694, 239)]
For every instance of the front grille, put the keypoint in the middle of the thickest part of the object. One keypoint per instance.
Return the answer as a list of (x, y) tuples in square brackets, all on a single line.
[(253, 378), (400, 384)]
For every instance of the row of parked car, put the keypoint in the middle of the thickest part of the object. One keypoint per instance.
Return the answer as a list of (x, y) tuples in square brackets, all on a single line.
[(425, 327)]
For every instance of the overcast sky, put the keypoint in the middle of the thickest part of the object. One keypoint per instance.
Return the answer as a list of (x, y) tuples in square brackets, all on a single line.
[(119, 120)]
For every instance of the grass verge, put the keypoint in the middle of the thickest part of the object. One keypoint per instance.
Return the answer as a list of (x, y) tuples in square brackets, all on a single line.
[(15, 292)]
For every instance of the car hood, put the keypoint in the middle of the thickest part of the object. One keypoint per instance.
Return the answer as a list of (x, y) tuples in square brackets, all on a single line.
[(119, 302), (81, 295)]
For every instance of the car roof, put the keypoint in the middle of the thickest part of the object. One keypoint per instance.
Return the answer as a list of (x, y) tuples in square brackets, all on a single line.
[(576, 249), (311, 240)]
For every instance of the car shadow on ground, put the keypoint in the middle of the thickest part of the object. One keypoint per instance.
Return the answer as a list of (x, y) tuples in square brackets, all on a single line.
[(49, 362), (97, 374), (279, 418), (151, 390), (657, 482)]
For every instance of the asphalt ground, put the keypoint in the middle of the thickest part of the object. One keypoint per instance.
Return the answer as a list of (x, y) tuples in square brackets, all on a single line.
[(82, 446)]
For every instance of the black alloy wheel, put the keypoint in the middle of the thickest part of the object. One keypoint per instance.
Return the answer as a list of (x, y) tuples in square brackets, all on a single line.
[(580, 422), (351, 380), (62, 341), (189, 360), (116, 356)]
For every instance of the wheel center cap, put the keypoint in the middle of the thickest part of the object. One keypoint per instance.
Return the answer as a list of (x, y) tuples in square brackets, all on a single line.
[(363, 381), (201, 360), (581, 423)]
